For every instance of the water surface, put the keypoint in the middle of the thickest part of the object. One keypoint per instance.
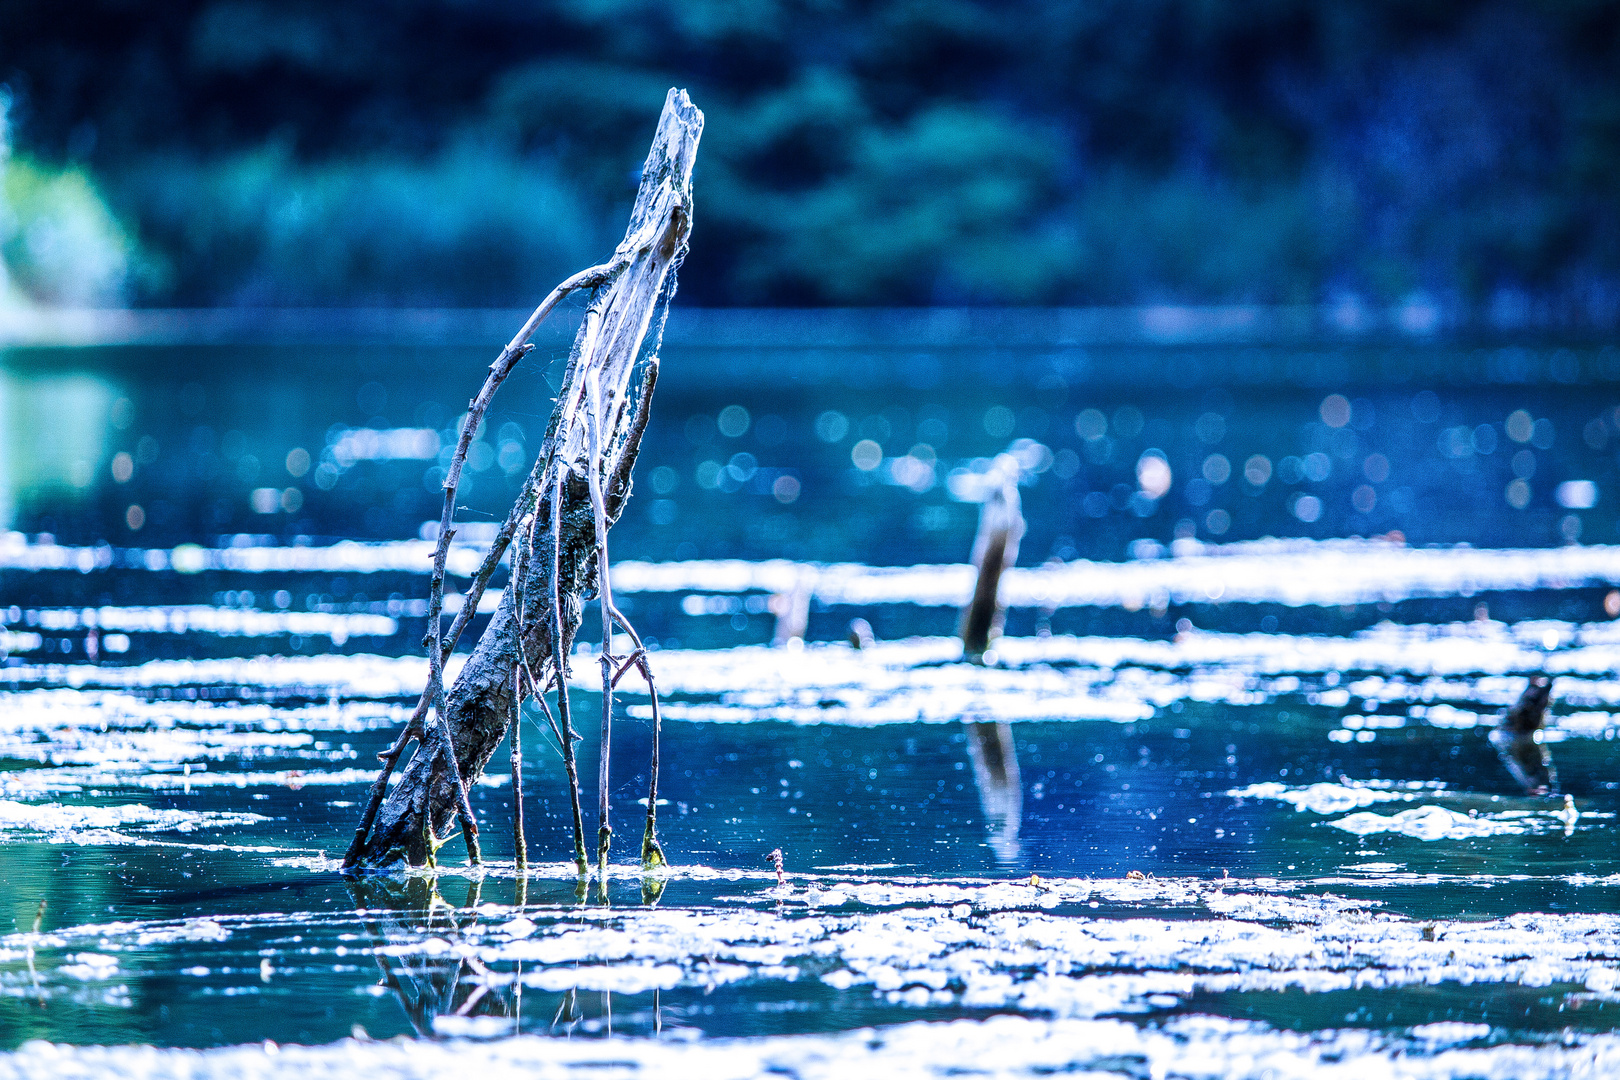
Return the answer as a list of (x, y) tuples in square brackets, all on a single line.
[(1215, 797)]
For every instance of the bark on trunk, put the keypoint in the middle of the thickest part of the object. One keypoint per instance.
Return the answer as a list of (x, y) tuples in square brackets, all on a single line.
[(595, 428)]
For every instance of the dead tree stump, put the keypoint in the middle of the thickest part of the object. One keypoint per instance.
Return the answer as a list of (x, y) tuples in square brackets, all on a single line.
[(576, 490)]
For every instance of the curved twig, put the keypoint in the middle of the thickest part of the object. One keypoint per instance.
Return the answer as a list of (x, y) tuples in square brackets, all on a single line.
[(652, 852)]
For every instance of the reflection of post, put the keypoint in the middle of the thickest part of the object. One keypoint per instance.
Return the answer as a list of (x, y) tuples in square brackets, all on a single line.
[(1001, 527), (1001, 789)]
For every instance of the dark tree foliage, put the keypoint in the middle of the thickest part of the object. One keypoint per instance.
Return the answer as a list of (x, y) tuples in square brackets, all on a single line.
[(888, 151)]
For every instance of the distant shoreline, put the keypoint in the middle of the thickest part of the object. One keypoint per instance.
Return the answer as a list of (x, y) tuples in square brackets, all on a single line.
[(941, 327)]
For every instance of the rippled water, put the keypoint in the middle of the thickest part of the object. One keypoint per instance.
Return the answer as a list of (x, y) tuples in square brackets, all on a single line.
[(1219, 806)]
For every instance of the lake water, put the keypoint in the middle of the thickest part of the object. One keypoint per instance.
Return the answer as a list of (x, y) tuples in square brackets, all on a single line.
[(1248, 822)]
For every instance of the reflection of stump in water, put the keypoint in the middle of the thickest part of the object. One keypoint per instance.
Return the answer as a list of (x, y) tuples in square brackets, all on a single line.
[(1517, 739), (426, 984), (1001, 789), (402, 917)]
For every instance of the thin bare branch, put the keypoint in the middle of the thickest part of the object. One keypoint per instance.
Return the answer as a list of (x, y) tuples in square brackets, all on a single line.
[(593, 479), (559, 656), (520, 846)]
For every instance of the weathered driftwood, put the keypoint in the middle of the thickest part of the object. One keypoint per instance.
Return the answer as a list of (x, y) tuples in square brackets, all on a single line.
[(1517, 739), (1001, 527), (575, 492)]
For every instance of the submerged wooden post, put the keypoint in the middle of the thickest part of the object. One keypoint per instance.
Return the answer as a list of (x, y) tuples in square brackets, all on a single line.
[(1517, 739), (1001, 527), (575, 492), (861, 635)]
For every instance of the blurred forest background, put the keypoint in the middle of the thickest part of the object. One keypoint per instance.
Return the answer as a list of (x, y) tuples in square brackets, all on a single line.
[(888, 152)]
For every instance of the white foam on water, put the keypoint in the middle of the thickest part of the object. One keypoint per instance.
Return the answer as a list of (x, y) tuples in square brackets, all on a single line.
[(57, 820), (1438, 823), (1035, 948), (1125, 679), (221, 621), (1197, 1048), (1292, 572), (1007, 946), (1422, 667), (626, 978), (1451, 1033), (132, 934), (1327, 798), (36, 783), (38, 712), (345, 557), (1421, 670), (1295, 572), (360, 675), (75, 740), (472, 1027)]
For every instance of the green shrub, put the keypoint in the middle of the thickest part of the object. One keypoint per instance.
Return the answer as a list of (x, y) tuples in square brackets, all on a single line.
[(471, 225), (59, 242)]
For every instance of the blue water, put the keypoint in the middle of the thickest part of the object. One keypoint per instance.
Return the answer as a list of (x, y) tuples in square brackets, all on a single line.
[(755, 452)]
